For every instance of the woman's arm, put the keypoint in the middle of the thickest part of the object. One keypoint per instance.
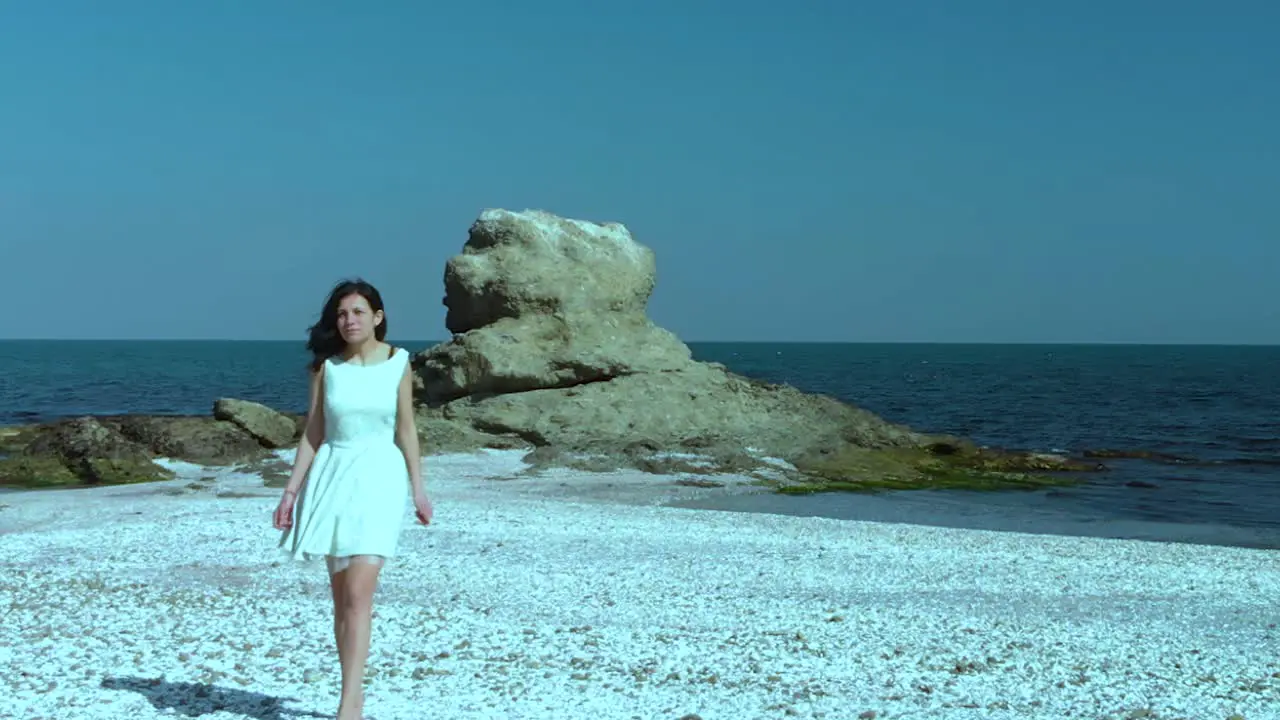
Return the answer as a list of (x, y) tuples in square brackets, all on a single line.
[(407, 431), (312, 434)]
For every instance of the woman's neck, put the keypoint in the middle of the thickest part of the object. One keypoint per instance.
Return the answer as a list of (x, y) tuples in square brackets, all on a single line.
[(367, 351)]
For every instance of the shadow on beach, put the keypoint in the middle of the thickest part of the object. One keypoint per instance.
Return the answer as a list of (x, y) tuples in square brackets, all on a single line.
[(190, 699)]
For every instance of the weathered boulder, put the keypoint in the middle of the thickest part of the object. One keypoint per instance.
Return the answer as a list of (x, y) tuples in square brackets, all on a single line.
[(529, 353), (198, 439), (537, 301), (536, 263), (271, 428)]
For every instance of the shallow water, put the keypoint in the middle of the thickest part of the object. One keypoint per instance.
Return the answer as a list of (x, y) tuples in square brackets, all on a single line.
[(1037, 512)]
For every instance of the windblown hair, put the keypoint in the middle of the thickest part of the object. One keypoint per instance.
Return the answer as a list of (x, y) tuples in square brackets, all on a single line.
[(324, 341)]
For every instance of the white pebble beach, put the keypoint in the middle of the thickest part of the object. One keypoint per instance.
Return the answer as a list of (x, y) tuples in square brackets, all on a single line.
[(535, 597)]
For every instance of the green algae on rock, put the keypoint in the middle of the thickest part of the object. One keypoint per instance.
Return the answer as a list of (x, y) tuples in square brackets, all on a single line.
[(42, 472), (110, 471), (88, 451), (14, 438), (36, 473), (855, 469)]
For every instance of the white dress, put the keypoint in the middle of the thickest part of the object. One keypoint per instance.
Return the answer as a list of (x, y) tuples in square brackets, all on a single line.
[(354, 500)]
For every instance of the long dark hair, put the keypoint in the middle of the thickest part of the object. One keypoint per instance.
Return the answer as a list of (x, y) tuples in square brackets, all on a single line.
[(324, 341)]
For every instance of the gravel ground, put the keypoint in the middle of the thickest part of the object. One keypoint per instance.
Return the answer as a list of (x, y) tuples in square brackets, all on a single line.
[(523, 600)]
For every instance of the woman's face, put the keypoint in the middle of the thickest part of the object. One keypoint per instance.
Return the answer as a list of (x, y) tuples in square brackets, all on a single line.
[(356, 320)]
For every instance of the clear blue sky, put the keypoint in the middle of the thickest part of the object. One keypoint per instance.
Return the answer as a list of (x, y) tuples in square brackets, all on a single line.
[(823, 170)]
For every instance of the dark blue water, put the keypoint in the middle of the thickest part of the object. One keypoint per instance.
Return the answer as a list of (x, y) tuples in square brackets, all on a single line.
[(1217, 407)]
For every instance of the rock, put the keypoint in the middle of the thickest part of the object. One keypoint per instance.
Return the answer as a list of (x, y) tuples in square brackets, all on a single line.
[(643, 457), (94, 451), (13, 439), (537, 301), (84, 437), (694, 409), (535, 263), (117, 471), (859, 469), (202, 440), (972, 456), (121, 449), (439, 435), (36, 472), (551, 345), (531, 353), (275, 473), (271, 428)]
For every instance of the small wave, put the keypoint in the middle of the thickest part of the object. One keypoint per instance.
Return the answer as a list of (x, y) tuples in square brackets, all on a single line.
[(1258, 461), (1258, 442)]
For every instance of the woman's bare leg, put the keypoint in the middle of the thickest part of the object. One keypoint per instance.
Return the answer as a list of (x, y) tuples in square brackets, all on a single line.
[(337, 585), (360, 580)]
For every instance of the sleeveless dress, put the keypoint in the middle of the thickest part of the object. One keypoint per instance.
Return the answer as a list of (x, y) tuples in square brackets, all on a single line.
[(354, 500)]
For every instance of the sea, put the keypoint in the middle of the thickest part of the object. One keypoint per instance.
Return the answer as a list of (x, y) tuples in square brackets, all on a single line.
[(1211, 412)]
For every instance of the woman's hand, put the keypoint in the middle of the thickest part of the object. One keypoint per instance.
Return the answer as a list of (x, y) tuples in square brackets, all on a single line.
[(422, 507), (283, 519)]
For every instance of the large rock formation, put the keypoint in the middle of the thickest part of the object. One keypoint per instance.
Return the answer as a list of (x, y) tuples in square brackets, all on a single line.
[(536, 301), (552, 344)]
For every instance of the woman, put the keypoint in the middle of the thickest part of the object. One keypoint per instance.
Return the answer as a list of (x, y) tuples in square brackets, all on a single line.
[(357, 464)]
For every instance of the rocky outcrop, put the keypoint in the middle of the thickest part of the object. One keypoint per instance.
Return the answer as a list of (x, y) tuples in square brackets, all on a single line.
[(113, 450), (123, 449), (552, 345), (87, 450)]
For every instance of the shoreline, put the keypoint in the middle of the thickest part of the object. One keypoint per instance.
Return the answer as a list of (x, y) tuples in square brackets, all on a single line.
[(539, 600), (1012, 510), (1026, 512)]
